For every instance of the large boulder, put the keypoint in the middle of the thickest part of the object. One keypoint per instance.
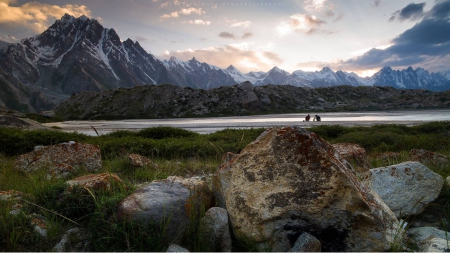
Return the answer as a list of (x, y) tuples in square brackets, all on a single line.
[(406, 187), (170, 204), (290, 181), (250, 101), (354, 154), (61, 159)]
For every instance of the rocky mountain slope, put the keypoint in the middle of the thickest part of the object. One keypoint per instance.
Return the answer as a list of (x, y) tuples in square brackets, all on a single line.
[(160, 101), (79, 54)]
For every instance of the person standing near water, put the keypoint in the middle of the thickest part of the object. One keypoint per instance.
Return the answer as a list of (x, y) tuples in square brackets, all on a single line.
[(316, 117), (307, 117)]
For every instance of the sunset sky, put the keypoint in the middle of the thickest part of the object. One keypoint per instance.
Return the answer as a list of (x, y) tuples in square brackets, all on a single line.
[(351, 35)]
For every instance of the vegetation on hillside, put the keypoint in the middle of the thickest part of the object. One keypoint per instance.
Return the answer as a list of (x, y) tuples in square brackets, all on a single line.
[(176, 152)]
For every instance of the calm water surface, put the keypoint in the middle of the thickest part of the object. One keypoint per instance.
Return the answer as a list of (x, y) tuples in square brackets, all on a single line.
[(208, 125)]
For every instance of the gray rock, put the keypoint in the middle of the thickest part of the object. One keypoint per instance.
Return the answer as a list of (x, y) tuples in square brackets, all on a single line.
[(221, 182), (250, 101), (406, 187), (74, 240), (246, 86), (290, 181), (215, 230), (307, 243), (48, 114), (176, 248), (170, 204), (429, 239)]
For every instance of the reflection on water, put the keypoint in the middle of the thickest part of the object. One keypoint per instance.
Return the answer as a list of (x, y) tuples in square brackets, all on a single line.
[(208, 125)]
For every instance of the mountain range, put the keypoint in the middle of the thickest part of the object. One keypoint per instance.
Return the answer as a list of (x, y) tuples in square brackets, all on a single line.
[(79, 54)]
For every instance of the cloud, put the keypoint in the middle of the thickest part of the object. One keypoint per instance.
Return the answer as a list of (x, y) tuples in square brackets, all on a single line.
[(171, 15), (411, 12), (329, 13), (238, 55), (170, 3), (9, 38), (185, 12), (315, 5), (245, 24), (228, 35), (376, 3), (247, 35), (301, 23), (339, 17), (191, 10), (143, 39), (425, 44), (37, 16), (197, 22)]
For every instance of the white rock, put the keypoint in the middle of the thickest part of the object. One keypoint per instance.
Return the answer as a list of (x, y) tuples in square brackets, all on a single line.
[(406, 187)]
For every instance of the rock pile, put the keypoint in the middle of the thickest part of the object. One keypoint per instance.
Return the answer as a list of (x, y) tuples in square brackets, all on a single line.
[(61, 160)]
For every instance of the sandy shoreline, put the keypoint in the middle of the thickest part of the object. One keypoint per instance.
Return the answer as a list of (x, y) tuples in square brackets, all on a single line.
[(208, 125)]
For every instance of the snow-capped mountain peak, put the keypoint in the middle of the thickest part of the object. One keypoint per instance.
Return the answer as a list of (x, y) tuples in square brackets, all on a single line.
[(232, 69)]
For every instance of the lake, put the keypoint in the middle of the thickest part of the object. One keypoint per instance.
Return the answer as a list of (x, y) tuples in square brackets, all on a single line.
[(208, 125)]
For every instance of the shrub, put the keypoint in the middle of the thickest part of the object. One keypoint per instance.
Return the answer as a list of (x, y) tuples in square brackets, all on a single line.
[(17, 141), (158, 133)]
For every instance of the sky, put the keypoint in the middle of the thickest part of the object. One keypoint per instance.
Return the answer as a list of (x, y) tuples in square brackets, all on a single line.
[(358, 36)]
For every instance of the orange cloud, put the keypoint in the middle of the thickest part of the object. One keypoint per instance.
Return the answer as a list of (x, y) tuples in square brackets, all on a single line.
[(239, 55), (197, 22), (38, 16), (187, 11)]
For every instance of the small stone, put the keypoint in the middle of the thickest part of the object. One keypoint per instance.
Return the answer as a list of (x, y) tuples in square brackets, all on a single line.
[(140, 161), (102, 181), (307, 243), (215, 231), (176, 248)]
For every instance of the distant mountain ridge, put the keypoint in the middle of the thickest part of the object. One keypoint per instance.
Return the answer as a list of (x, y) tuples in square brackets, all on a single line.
[(79, 54)]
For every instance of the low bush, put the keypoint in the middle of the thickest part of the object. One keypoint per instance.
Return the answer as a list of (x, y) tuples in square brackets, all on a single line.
[(158, 133), (433, 136), (16, 141)]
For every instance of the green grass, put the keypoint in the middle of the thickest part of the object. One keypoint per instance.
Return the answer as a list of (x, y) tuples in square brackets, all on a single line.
[(175, 152)]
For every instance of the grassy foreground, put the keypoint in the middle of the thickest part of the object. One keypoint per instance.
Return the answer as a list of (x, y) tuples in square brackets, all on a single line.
[(176, 152)]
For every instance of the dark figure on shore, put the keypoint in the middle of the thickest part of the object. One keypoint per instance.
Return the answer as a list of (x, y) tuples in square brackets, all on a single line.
[(316, 117), (307, 117)]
